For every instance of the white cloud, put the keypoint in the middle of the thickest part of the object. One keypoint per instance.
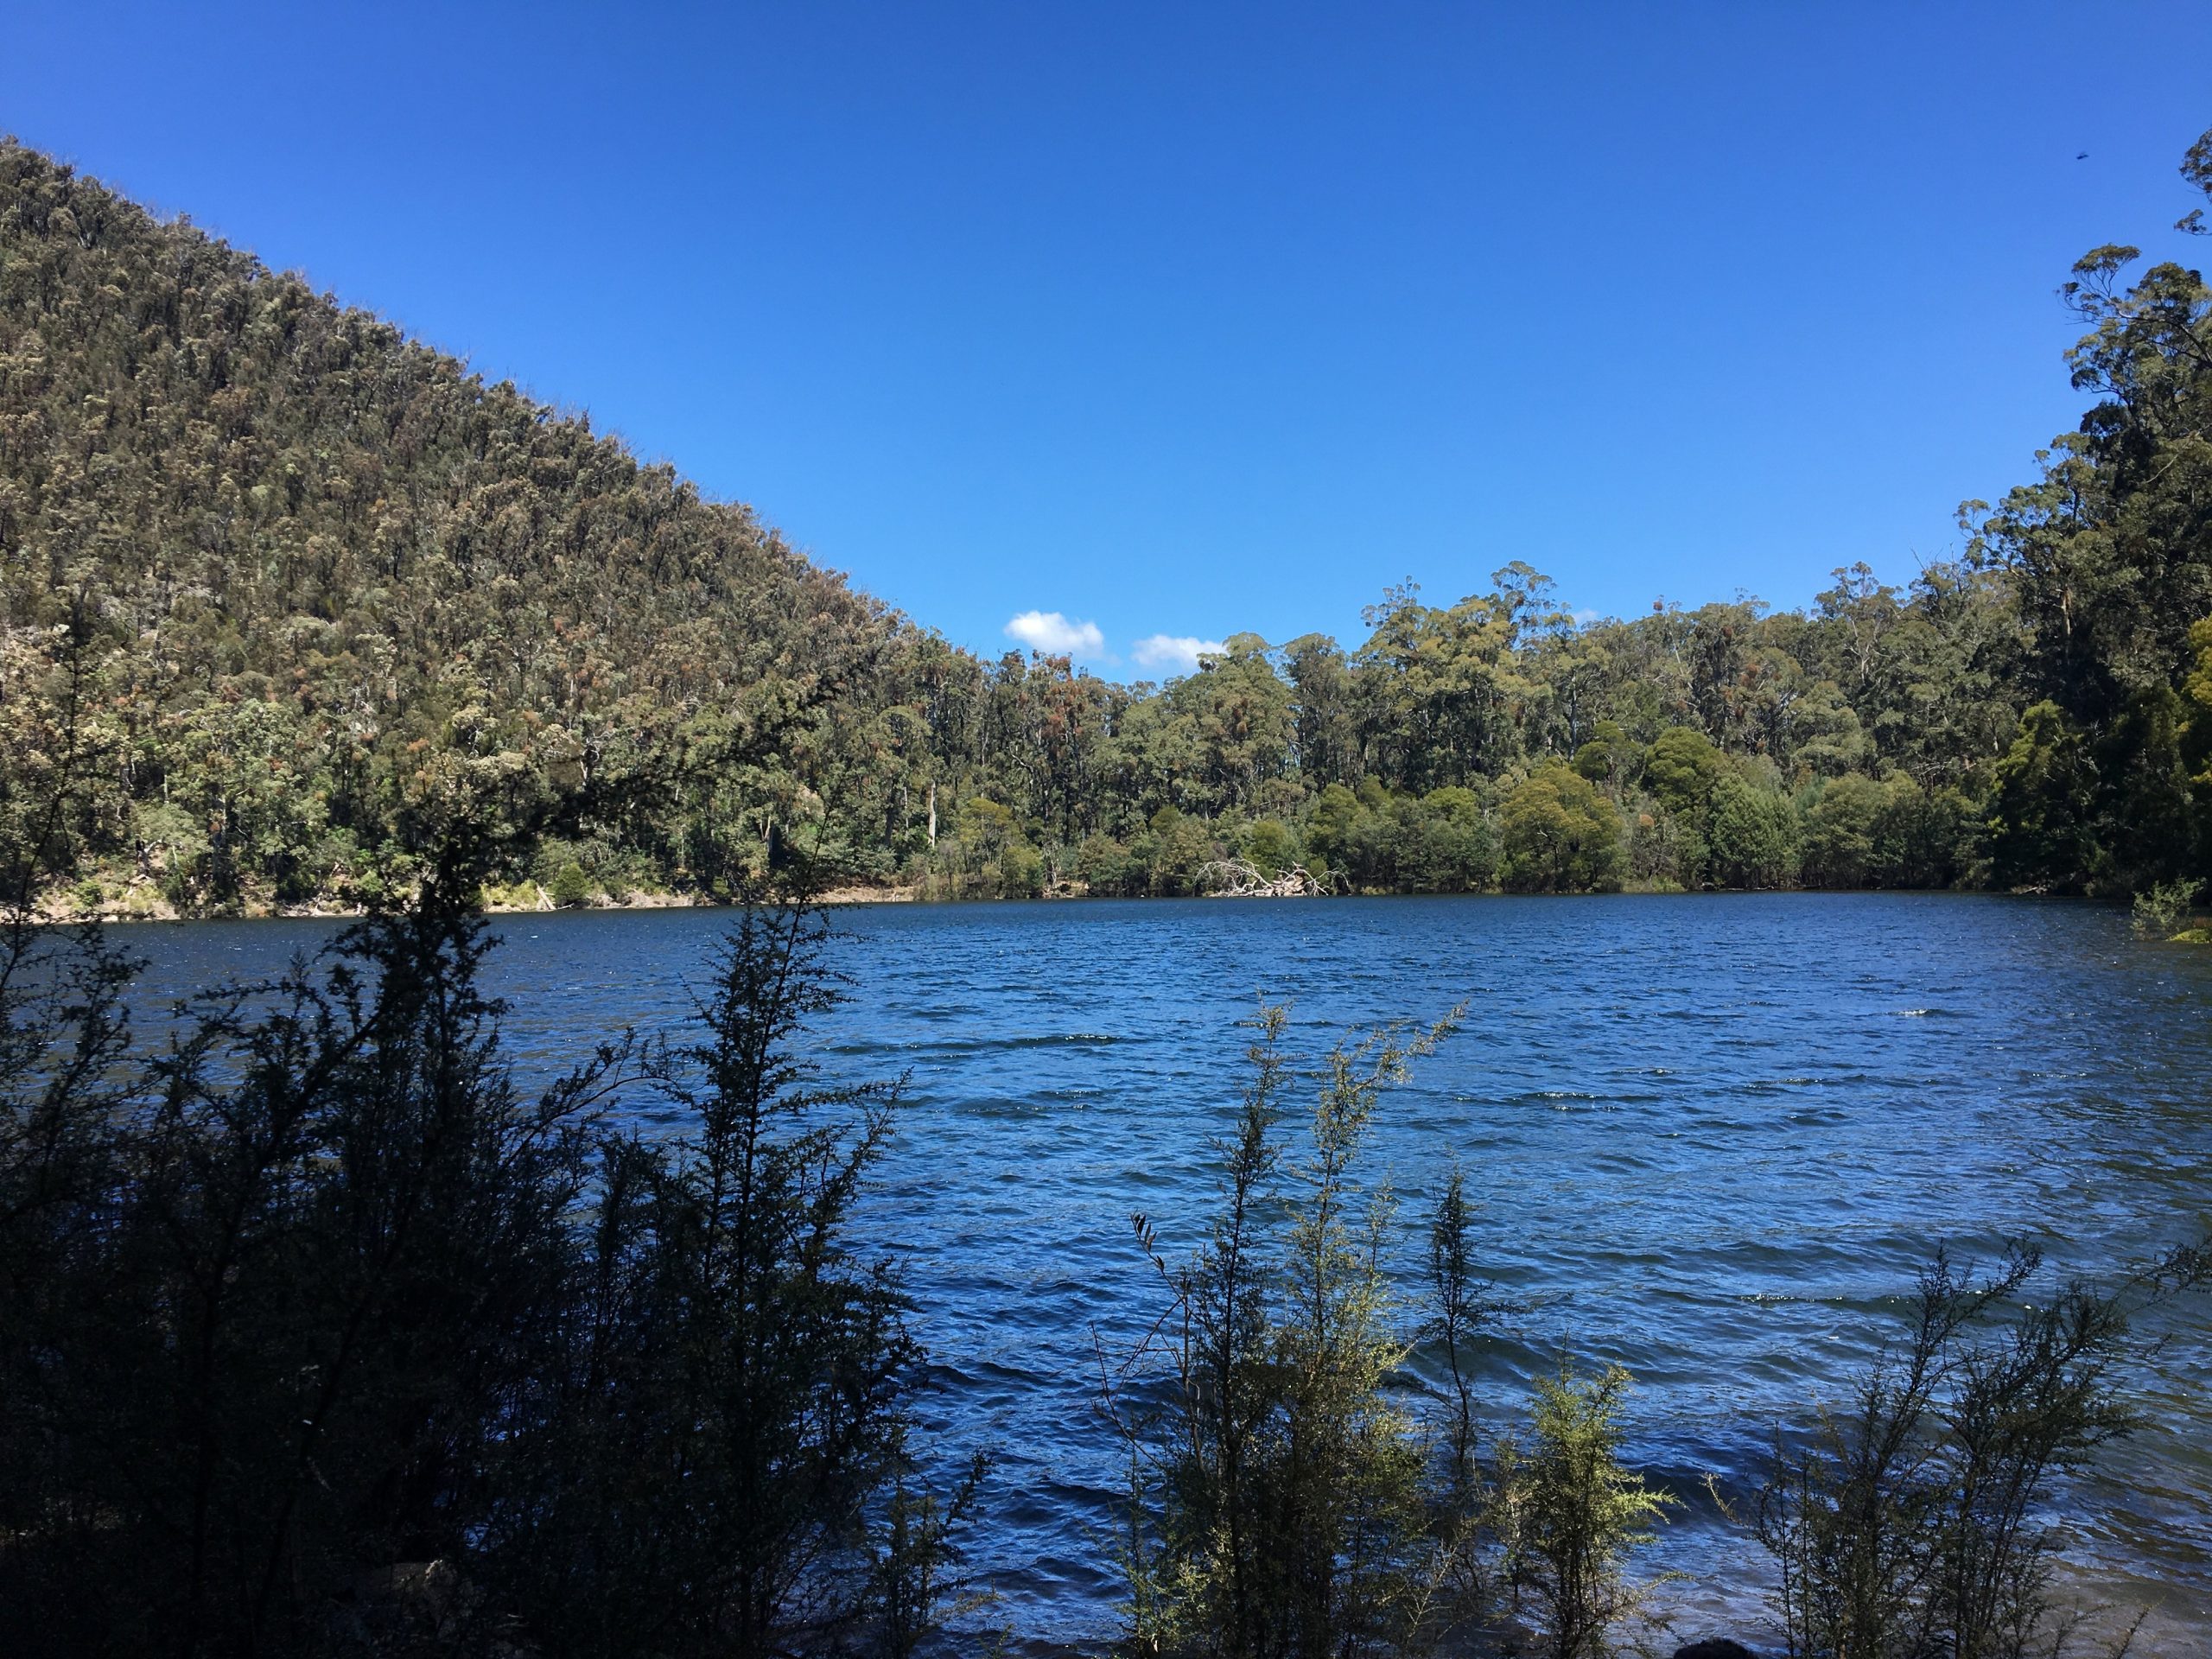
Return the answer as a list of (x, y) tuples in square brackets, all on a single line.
[(1054, 634), (1179, 652)]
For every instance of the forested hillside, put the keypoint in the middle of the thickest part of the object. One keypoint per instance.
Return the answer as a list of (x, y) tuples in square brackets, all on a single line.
[(283, 592)]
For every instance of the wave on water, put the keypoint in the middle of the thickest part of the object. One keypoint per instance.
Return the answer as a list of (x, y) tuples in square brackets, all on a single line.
[(1739, 1223)]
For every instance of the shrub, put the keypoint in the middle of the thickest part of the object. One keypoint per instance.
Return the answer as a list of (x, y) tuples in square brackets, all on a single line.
[(2043, 806), (1924, 837), (1276, 1501), (1467, 1513), (1103, 863), (312, 1316), (1581, 1512), (570, 887), (1271, 847), (1332, 825), (1664, 854), (1914, 1519), (328, 1242), (1173, 850), (2159, 913), (731, 1332)]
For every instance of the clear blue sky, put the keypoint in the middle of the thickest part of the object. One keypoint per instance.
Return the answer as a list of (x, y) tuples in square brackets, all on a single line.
[(1193, 318)]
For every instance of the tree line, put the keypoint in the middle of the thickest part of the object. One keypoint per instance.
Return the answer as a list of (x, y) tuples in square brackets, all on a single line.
[(301, 585)]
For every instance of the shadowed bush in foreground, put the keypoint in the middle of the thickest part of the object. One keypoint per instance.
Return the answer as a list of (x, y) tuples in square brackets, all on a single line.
[(732, 1419), (1275, 1487), (1286, 1497), (1917, 1520), (321, 1339)]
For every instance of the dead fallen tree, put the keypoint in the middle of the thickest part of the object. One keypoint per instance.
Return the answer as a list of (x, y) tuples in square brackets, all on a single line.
[(1237, 878)]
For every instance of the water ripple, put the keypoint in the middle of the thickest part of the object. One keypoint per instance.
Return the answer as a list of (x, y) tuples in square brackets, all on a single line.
[(1712, 1138)]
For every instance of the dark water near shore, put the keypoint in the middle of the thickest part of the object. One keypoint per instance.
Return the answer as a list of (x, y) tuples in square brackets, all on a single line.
[(1714, 1137)]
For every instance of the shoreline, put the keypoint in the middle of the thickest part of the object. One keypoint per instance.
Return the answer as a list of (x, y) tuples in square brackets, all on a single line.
[(49, 915), (164, 913)]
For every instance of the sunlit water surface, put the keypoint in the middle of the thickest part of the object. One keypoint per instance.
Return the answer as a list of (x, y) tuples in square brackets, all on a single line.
[(1713, 1138)]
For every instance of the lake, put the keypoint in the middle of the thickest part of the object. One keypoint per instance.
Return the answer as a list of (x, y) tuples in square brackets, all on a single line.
[(1713, 1138)]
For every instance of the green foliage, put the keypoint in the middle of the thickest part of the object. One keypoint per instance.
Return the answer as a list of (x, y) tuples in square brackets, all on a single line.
[(1173, 849), (1453, 844), (328, 1238), (1752, 841), (2160, 912), (2148, 790), (322, 596), (2042, 829), (1581, 1512), (1858, 832), (1682, 769), (1272, 846), (1610, 755), (1445, 841), (1276, 1501), (1838, 849), (991, 855), (570, 887), (1914, 1520), (1470, 1514), (1104, 864), (916, 1585), (1560, 835), (735, 1335)]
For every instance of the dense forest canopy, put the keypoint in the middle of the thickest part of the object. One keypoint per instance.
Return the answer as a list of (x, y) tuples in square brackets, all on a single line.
[(283, 592)]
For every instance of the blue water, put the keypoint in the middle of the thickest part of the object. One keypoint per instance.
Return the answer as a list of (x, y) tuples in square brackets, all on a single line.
[(1713, 1136)]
